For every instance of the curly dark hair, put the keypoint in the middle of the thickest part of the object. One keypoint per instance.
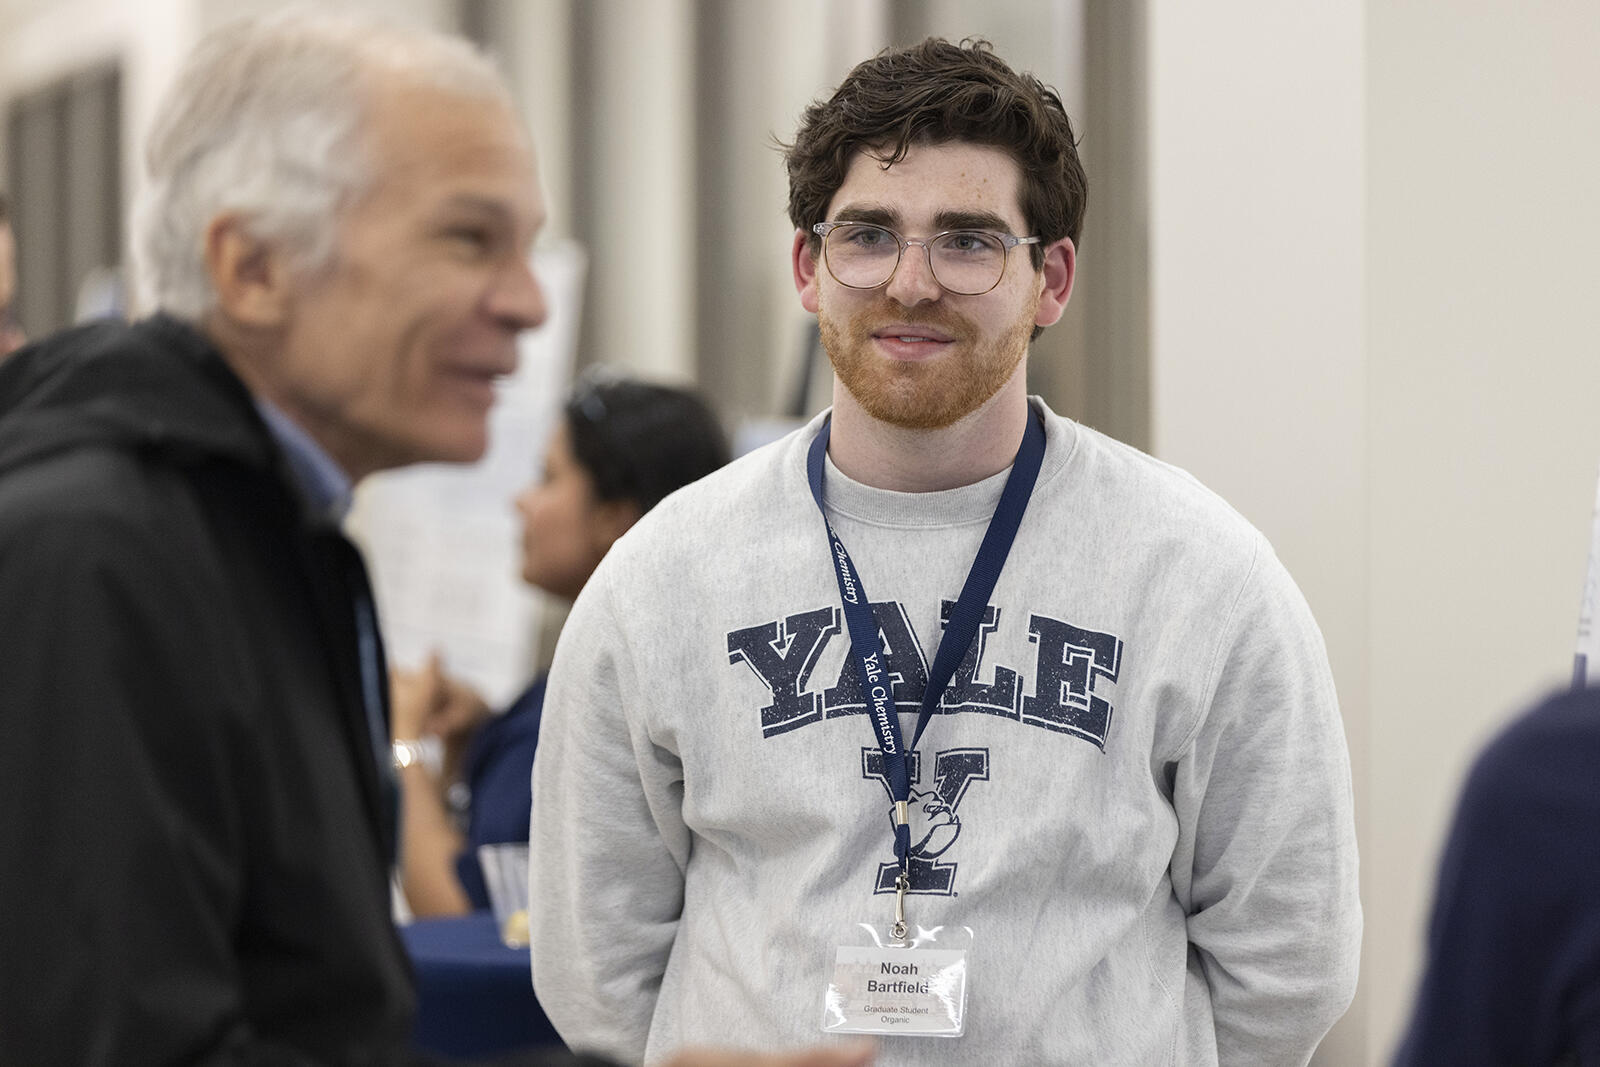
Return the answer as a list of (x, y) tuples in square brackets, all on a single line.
[(934, 93)]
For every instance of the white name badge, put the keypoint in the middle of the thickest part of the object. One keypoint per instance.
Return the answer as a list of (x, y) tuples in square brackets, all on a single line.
[(911, 992)]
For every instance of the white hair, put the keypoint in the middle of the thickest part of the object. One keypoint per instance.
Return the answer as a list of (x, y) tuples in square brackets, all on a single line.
[(265, 122)]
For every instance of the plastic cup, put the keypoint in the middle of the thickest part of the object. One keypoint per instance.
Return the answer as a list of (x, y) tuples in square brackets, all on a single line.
[(505, 870)]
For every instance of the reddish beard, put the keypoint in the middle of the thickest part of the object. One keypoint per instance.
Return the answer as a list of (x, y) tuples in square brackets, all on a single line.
[(926, 394)]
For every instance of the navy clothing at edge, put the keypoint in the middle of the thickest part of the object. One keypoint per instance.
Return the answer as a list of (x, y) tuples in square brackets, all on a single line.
[(499, 764), (1513, 970), (197, 844)]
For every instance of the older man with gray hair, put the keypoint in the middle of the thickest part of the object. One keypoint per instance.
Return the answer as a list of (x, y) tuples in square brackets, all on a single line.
[(335, 229), (199, 812)]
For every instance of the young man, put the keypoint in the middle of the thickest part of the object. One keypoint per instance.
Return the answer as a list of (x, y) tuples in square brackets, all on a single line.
[(1131, 808), (199, 805)]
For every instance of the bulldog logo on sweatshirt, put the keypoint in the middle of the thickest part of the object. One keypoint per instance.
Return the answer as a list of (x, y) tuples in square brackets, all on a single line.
[(934, 822)]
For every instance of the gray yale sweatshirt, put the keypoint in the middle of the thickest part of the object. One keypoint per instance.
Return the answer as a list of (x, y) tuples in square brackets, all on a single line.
[(1137, 795)]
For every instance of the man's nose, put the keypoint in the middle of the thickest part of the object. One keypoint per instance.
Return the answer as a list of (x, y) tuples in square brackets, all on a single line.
[(518, 298), (913, 282)]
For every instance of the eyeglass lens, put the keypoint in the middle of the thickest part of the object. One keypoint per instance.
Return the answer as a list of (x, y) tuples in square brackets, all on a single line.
[(968, 262)]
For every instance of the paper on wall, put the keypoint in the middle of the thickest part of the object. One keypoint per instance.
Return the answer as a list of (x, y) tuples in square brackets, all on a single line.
[(1586, 664)]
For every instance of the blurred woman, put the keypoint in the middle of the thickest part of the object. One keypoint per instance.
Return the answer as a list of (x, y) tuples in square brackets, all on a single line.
[(11, 337), (620, 448)]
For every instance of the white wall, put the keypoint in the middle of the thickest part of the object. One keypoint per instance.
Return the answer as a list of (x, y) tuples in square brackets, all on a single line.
[(1258, 360), (1484, 348), (1374, 330)]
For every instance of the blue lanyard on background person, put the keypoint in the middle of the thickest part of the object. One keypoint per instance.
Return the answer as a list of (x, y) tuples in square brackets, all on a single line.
[(959, 632)]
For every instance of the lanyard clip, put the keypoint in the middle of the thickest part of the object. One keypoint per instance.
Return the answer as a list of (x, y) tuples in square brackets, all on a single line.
[(902, 883)]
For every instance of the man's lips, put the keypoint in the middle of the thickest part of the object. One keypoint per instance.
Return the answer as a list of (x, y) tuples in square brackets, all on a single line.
[(477, 382), (906, 342), (912, 334)]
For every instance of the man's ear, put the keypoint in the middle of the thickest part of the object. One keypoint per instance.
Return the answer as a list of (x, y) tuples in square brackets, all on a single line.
[(250, 276), (805, 270), (1060, 268)]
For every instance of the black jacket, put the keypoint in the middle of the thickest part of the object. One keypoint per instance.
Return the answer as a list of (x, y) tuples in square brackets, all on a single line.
[(194, 838)]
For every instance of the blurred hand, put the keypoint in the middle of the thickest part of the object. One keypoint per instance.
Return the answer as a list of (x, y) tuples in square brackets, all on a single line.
[(428, 702), (854, 1054), (11, 338)]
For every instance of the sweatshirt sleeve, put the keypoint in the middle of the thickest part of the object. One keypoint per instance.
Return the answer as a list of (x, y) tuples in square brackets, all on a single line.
[(609, 844), (1265, 864)]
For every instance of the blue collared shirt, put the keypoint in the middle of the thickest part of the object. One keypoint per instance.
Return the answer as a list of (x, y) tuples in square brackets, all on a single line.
[(325, 484), (328, 490)]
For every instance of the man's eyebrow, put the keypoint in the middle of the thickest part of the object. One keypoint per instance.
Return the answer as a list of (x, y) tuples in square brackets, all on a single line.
[(944, 220), (869, 213), (970, 220), (477, 204), (477, 208)]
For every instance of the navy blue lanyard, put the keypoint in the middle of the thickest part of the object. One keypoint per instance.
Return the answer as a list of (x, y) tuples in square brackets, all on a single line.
[(865, 645)]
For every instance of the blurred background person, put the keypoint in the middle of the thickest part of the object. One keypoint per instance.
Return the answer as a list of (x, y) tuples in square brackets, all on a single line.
[(1513, 960), (11, 337), (620, 447)]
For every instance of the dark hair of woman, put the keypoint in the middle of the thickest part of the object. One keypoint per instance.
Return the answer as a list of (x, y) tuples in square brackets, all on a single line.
[(640, 442)]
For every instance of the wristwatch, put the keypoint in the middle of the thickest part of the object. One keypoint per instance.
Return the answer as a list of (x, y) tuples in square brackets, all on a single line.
[(426, 752)]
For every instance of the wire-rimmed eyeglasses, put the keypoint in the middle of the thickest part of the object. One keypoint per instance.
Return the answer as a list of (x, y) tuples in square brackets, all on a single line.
[(863, 255)]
